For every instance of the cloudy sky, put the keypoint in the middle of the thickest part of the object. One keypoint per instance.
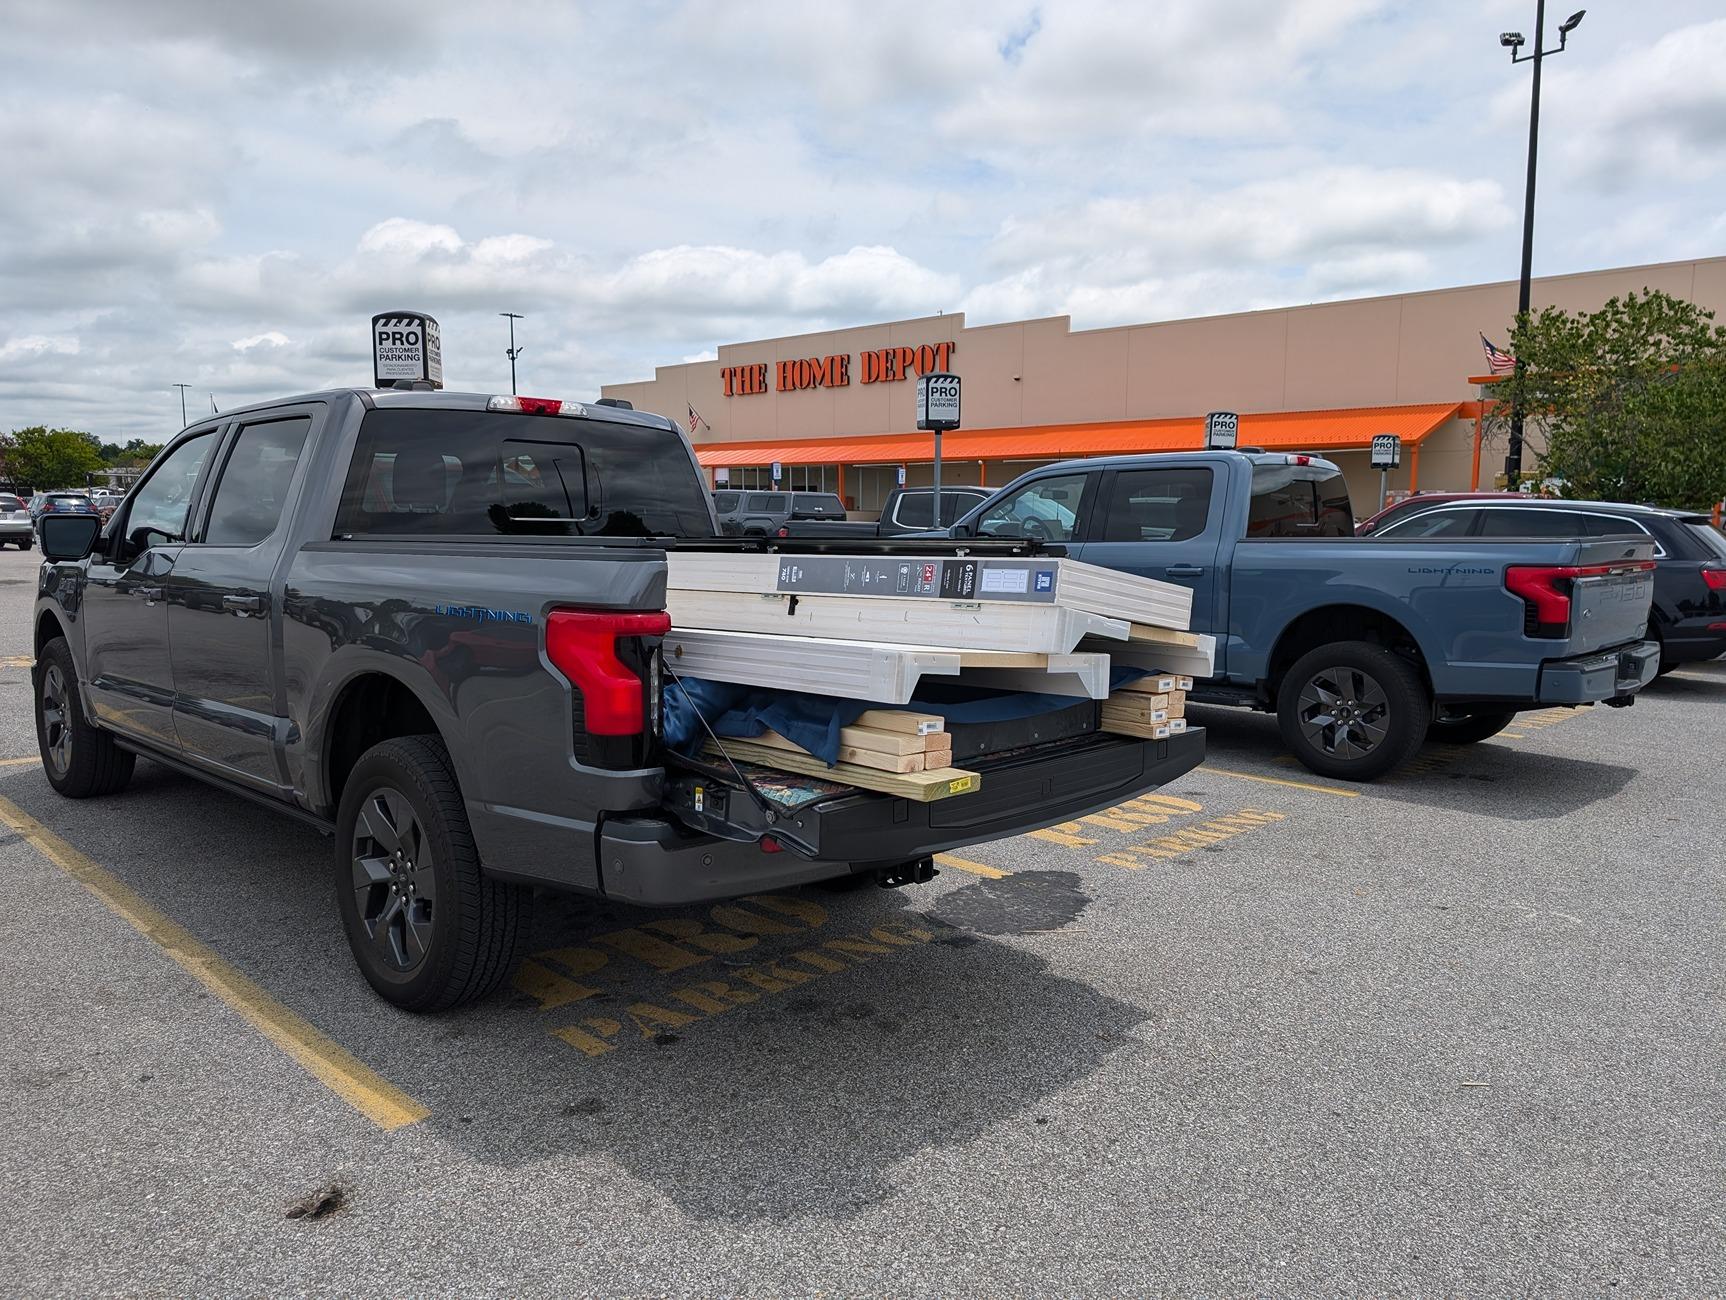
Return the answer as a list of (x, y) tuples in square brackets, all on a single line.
[(222, 193)]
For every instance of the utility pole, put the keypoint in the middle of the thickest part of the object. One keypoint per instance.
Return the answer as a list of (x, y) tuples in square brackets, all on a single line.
[(182, 388), (1513, 41), (514, 351)]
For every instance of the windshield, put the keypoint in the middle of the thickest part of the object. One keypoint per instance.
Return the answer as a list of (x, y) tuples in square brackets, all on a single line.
[(482, 473)]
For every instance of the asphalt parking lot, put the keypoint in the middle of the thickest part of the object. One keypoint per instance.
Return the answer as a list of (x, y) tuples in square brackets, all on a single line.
[(1459, 1030)]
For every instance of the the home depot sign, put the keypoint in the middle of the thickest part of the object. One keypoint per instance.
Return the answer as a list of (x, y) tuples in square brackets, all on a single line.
[(880, 365)]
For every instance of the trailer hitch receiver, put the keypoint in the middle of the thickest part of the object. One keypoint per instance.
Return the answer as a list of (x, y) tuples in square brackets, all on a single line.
[(918, 872)]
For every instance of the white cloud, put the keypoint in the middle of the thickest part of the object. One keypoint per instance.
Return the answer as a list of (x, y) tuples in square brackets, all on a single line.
[(30, 346), (268, 339)]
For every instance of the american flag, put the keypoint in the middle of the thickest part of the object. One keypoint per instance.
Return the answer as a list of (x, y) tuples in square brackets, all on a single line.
[(1499, 362), (695, 420)]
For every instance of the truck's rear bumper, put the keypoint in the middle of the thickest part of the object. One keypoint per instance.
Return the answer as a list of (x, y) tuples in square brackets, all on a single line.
[(1604, 675), (657, 861)]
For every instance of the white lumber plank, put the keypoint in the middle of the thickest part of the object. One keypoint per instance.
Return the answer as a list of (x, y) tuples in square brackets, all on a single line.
[(916, 724), (1164, 660), (949, 625), (1087, 588), (1083, 675), (885, 674)]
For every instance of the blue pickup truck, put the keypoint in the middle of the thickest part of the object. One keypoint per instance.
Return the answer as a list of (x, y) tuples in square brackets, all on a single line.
[(1362, 647)]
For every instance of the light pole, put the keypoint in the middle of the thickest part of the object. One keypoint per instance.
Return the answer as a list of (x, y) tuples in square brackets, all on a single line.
[(1513, 41), (514, 351), (182, 388)]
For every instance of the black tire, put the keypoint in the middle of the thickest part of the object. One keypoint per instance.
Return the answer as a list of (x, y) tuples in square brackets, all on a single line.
[(1384, 703), (426, 935), (26, 544), (81, 761), (1468, 730)]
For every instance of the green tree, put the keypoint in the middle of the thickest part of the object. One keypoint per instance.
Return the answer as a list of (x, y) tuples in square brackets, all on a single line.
[(1630, 400), (50, 458)]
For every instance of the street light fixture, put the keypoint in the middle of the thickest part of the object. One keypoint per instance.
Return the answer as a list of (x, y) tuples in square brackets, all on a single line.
[(514, 351), (1513, 41)]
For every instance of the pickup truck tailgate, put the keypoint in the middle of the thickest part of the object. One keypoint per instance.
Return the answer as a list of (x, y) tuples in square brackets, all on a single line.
[(1611, 595)]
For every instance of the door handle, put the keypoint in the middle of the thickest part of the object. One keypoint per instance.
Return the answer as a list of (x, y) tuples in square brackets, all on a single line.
[(150, 594), (1184, 570), (244, 604)]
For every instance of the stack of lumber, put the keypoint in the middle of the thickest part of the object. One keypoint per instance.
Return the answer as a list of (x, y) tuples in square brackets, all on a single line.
[(1151, 708), (893, 751)]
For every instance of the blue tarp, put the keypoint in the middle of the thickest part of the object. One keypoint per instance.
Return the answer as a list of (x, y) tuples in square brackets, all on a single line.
[(813, 721)]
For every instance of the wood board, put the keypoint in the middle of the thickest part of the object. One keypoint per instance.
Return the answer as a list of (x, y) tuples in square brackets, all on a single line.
[(1082, 675), (950, 625), (923, 787), (995, 580), (875, 758), (917, 724), (1163, 660)]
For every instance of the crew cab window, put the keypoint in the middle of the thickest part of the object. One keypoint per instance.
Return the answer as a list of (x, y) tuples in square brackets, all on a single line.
[(1047, 510), (772, 503), (1156, 505), (726, 502), (1299, 501), (1435, 523), (162, 501), (481, 473), (1532, 523), (254, 482), (915, 509)]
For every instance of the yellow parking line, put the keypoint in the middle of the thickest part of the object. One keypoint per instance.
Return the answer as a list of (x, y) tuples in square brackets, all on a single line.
[(317, 1053), (20, 761), (1277, 780), (975, 868), (1514, 735)]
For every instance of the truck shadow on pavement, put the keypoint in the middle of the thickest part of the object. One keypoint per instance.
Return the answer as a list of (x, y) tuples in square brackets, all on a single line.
[(1492, 779), (771, 1058), (1691, 682)]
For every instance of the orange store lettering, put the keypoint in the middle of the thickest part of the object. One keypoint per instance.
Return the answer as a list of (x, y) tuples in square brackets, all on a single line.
[(879, 365)]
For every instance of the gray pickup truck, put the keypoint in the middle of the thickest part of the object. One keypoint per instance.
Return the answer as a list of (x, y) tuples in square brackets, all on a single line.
[(429, 624)]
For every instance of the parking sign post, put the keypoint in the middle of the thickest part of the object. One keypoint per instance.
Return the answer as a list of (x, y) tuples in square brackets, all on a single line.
[(1386, 456), (938, 410), (1222, 430)]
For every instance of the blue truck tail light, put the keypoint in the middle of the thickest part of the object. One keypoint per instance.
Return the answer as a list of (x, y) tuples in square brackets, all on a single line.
[(583, 646)]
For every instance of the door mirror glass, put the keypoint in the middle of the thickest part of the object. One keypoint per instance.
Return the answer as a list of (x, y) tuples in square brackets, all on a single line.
[(68, 537)]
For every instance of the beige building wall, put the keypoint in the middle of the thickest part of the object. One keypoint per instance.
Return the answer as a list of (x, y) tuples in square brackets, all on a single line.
[(1408, 348)]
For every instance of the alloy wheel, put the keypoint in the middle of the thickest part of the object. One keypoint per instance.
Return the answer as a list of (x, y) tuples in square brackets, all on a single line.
[(1344, 712), (56, 724), (394, 884)]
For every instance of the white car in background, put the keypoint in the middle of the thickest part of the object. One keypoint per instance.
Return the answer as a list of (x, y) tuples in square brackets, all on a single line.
[(15, 525)]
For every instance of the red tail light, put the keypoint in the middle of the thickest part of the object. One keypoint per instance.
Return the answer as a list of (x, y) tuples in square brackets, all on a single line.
[(1715, 576), (1547, 589), (582, 645)]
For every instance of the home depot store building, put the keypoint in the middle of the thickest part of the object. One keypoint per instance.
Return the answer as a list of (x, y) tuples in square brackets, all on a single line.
[(835, 409)]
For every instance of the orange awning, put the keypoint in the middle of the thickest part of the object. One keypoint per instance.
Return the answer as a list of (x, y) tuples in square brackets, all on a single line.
[(1341, 430)]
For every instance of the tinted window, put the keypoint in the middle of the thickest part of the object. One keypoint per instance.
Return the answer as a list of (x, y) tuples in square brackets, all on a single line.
[(1157, 505), (1435, 523), (819, 505), (1299, 501), (916, 510), (1517, 522), (726, 502), (468, 473), (1047, 509), (254, 482), (1712, 540), (1611, 526), (769, 502), (162, 500), (9, 502)]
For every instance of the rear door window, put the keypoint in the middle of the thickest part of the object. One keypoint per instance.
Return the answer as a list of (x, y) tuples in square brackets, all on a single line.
[(1518, 522), (479, 473), (254, 483), (1156, 505), (818, 505), (1299, 501), (726, 502), (1435, 523)]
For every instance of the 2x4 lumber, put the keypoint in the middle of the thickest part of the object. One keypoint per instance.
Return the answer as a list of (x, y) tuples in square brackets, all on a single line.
[(923, 787), (1162, 635), (917, 724), (909, 762), (950, 625), (1164, 660)]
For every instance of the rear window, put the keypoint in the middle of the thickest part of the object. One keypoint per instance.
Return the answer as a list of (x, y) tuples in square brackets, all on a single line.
[(1299, 501), (10, 502), (769, 502), (483, 473), (818, 505), (1710, 537), (726, 502)]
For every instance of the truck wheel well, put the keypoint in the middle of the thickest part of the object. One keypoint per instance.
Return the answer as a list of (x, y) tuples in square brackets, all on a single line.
[(1332, 623), (372, 709), (47, 628)]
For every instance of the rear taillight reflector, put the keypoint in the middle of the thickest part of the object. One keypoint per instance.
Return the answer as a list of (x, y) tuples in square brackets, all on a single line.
[(1715, 577), (582, 645), (1547, 589)]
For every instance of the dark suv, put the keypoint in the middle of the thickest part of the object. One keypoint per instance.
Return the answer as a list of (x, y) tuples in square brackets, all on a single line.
[(1689, 613), (760, 514)]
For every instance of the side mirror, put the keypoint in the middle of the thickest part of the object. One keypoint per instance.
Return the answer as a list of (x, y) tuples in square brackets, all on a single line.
[(68, 537)]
